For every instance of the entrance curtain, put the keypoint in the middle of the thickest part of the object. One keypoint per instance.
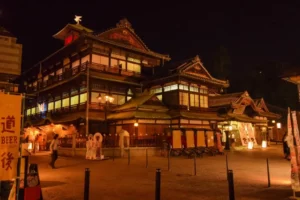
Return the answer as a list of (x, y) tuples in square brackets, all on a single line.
[(190, 140), (176, 136), (210, 138), (200, 139)]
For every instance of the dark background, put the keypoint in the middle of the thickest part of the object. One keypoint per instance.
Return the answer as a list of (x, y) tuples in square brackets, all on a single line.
[(250, 44)]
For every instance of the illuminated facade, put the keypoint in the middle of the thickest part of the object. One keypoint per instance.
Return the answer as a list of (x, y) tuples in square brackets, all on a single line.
[(111, 81), (10, 61)]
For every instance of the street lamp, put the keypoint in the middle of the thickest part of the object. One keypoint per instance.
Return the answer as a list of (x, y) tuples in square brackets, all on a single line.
[(108, 99)]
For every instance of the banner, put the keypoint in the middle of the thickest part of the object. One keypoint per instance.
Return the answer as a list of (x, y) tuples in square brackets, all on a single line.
[(10, 129)]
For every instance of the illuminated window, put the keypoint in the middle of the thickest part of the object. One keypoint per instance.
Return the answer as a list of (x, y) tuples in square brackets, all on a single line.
[(98, 59), (156, 90), (50, 106), (134, 60), (58, 72), (66, 102), (118, 99), (94, 97), (28, 112), (58, 104), (46, 78), (183, 87), (76, 63), (133, 67), (85, 59), (203, 90), (117, 63), (114, 63), (118, 55), (66, 62), (203, 101), (33, 110), (83, 98), (171, 87), (159, 97), (194, 100), (184, 98), (74, 100), (194, 89)]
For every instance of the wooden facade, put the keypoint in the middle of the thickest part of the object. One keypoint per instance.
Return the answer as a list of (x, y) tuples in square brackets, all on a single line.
[(112, 81)]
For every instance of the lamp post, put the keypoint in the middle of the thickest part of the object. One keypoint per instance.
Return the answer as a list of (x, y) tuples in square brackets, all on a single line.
[(108, 99), (227, 130), (135, 132)]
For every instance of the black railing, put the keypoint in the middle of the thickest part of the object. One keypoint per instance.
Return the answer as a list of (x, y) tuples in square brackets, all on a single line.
[(113, 141)]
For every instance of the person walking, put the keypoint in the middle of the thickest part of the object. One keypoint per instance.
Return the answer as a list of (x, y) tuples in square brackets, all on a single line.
[(53, 149)]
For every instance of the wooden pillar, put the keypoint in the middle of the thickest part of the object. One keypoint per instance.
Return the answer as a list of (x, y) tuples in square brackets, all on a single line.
[(74, 144)]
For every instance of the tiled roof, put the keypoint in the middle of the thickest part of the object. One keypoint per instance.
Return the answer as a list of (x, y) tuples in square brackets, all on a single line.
[(137, 102), (139, 115), (178, 68), (224, 99)]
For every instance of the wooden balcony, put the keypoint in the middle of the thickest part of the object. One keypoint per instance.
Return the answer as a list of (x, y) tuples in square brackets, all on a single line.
[(69, 73)]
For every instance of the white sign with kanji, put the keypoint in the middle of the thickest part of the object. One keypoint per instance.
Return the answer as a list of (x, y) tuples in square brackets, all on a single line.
[(10, 129)]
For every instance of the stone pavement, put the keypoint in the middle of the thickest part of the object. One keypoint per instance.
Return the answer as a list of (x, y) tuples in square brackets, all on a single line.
[(115, 180)]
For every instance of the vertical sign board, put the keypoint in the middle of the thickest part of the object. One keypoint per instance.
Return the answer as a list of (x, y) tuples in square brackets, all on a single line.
[(10, 127)]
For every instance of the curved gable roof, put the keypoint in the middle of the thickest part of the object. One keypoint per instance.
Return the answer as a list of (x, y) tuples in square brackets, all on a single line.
[(124, 33)]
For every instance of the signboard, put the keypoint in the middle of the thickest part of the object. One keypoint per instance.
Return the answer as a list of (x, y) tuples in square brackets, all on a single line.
[(10, 125)]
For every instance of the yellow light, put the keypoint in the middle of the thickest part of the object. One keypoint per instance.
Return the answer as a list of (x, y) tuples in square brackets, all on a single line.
[(264, 144), (230, 128), (250, 145), (278, 125), (136, 124), (30, 146), (273, 121)]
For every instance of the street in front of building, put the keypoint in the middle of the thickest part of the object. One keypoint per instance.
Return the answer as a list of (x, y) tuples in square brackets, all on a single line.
[(116, 179)]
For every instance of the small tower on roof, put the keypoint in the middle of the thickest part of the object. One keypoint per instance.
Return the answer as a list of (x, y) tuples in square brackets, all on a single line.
[(72, 31)]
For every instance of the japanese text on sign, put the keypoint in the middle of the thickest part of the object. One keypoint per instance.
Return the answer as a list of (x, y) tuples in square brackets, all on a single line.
[(8, 124), (6, 159)]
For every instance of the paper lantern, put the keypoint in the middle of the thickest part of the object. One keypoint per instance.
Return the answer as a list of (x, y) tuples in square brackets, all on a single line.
[(250, 145)]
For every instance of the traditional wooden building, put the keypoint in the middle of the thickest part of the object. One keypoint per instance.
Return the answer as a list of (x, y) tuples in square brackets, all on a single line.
[(104, 69), (247, 118), (105, 82), (10, 61)]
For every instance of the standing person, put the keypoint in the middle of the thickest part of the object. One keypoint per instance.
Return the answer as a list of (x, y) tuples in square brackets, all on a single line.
[(53, 149), (286, 149)]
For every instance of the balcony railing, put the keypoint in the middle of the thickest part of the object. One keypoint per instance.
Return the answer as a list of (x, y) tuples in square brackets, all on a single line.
[(81, 68)]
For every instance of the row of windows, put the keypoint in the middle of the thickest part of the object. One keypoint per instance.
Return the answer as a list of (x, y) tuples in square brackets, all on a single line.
[(202, 89), (75, 100), (196, 100), (133, 64)]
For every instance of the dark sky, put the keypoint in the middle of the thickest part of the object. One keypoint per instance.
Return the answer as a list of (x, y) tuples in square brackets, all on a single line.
[(255, 34)]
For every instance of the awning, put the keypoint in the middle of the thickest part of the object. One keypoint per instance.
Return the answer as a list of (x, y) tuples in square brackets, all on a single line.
[(138, 115), (198, 115), (244, 118)]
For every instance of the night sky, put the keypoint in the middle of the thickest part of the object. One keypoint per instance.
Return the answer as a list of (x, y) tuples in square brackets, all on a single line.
[(261, 39)]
